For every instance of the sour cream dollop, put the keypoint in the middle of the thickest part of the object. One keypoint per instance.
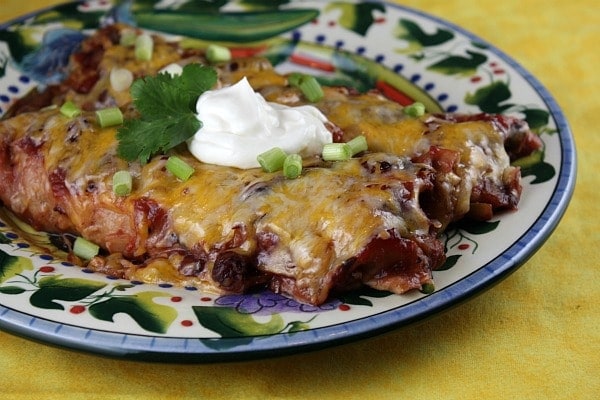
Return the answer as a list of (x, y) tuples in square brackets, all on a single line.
[(239, 124)]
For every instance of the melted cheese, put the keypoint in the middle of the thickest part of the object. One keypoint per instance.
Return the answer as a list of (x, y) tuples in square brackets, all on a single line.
[(312, 225), (320, 220)]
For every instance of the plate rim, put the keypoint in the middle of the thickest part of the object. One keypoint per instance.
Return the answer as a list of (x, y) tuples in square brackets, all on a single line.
[(501, 266)]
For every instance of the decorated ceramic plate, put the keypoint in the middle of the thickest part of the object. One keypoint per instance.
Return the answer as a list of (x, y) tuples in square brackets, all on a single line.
[(405, 53)]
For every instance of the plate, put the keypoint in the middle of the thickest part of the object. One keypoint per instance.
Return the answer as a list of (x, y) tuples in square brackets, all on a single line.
[(405, 53)]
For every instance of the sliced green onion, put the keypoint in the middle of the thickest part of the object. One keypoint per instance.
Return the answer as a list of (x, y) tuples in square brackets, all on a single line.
[(122, 183), (120, 79), (308, 84), (272, 160), (415, 110), (336, 152), (144, 47), (311, 88), (427, 288), (128, 37), (358, 144), (294, 78), (69, 109), (85, 249), (216, 53), (292, 166), (179, 168), (109, 117), (172, 69)]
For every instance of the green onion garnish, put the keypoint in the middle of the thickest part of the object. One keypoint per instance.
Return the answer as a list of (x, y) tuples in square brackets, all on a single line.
[(292, 166), (336, 152), (427, 288), (128, 37), (85, 249), (144, 46), (216, 53), (294, 78), (122, 183), (358, 144), (308, 84), (415, 110), (172, 69), (179, 168), (120, 79), (109, 117), (69, 109), (272, 160)]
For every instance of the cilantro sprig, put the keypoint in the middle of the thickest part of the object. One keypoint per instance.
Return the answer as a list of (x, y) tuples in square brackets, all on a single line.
[(167, 107)]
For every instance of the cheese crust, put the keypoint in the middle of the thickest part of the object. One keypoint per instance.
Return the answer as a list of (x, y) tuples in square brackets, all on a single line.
[(372, 220)]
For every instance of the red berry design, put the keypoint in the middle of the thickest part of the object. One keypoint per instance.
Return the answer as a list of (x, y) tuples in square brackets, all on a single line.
[(176, 299), (47, 269), (186, 323), (77, 309), (463, 246), (344, 307)]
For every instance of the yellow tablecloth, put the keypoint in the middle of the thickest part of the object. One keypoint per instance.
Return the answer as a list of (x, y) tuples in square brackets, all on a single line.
[(534, 335)]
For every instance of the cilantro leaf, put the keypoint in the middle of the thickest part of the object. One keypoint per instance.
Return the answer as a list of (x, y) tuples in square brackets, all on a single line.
[(177, 131), (196, 81), (167, 108), (139, 140)]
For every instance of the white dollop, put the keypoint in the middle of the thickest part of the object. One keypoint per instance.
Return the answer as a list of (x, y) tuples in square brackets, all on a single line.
[(239, 124)]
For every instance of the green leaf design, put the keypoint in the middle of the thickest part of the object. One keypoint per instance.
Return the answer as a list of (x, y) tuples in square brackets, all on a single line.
[(4, 239), (542, 171), (356, 17), (478, 227), (69, 15), (529, 160), (232, 26), (298, 326), (358, 297), (488, 98), (11, 266), (459, 65), (535, 165), (11, 290), (263, 4), (480, 45), (418, 38), (228, 322), (195, 7), (536, 118), (449, 263), (52, 288), (3, 64), (17, 42), (141, 307), (356, 300)]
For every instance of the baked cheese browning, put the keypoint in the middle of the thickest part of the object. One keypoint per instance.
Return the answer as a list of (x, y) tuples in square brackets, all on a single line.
[(481, 180), (224, 229), (373, 220)]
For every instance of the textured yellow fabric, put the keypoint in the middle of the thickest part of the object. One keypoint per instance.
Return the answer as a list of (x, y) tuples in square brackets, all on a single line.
[(534, 335)]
